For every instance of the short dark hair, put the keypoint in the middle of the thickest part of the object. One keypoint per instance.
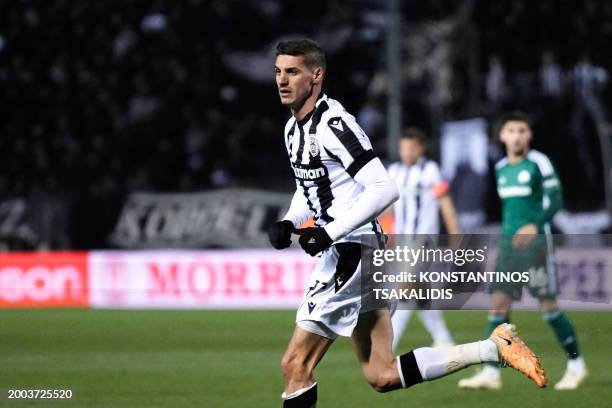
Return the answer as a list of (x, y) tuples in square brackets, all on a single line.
[(416, 134), (514, 116), (312, 52)]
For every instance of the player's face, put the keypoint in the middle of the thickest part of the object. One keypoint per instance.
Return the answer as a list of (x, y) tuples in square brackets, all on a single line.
[(294, 80), (516, 135), (410, 151)]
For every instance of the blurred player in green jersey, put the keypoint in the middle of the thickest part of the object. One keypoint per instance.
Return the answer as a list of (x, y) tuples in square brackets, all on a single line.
[(530, 192)]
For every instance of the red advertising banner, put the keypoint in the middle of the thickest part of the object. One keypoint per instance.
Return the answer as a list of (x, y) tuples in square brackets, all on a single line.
[(227, 279), (39, 279)]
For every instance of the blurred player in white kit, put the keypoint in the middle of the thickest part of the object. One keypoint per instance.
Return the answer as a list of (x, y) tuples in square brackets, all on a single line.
[(424, 194)]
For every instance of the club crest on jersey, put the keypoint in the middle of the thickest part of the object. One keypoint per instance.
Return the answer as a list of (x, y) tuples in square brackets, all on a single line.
[(313, 146), (524, 176)]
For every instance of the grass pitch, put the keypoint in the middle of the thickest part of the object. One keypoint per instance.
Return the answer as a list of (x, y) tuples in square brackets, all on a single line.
[(218, 359)]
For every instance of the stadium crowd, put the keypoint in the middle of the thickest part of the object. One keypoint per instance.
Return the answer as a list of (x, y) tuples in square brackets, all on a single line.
[(105, 98)]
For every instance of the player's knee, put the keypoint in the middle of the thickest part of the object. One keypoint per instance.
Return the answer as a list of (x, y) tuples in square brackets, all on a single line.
[(500, 309), (381, 382), (548, 305)]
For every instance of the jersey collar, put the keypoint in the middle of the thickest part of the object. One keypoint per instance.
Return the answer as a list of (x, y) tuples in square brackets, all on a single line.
[(322, 97)]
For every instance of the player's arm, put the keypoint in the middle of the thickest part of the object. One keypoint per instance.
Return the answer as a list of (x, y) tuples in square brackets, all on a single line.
[(389, 210), (379, 192), (298, 211), (280, 232), (449, 214), (551, 187), (441, 190), (346, 141)]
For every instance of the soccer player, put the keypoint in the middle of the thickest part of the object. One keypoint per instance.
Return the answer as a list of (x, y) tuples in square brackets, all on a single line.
[(344, 186), (531, 194), (423, 195)]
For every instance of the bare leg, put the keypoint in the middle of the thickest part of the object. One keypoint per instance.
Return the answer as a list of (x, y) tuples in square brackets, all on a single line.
[(304, 352), (371, 341), (501, 303)]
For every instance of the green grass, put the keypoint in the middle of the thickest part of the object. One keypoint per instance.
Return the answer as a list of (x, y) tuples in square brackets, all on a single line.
[(218, 359)]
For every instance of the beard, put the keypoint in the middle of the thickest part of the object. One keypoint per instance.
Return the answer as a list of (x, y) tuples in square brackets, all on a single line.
[(518, 149), (299, 101)]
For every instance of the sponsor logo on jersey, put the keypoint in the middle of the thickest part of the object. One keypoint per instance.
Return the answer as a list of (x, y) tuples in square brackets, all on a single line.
[(304, 172), (514, 191), (336, 123)]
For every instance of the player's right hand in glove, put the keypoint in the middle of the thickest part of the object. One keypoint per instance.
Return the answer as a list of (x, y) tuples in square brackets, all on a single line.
[(279, 234)]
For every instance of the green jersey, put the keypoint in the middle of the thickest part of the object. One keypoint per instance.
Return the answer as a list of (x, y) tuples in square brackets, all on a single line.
[(530, 192)]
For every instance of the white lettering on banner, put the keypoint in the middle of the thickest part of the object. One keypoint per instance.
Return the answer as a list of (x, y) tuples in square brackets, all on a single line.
[(10, 284), (228, 218), (41, 285), (194, 279)]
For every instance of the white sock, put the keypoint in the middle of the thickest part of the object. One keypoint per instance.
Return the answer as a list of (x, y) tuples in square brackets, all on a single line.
[(440, 361), (488, 351), (576, 364), (298, 392), (433, 320), (399, 321)]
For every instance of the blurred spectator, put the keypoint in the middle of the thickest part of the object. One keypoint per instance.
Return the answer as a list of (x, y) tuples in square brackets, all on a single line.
[(589, 79), (551, 75), (372, 120), (495, 82), (104, 98)]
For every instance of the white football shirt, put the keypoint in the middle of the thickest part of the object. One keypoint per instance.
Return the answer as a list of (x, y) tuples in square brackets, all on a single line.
[(326, 149), (420, 186)]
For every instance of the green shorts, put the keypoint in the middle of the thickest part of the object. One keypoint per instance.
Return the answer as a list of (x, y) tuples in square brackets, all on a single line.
[(537, 260)]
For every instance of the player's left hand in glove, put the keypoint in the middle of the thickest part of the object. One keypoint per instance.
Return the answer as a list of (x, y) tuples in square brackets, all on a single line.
[(314, 240)]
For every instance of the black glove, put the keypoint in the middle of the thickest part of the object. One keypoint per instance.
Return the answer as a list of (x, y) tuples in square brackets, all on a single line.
[(314, 240), (280, 234)]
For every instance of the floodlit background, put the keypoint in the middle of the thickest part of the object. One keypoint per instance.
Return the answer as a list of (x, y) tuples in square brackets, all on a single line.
[(106, 99), (142, 160)]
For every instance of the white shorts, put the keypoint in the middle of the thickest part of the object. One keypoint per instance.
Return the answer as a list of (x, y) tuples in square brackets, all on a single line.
[(333, 297)]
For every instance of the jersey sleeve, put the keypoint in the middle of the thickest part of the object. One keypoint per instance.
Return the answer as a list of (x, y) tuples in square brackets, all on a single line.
[(344, 140), (434, 180), (551, 189), (298, 211), (379, 192), (551, 183)]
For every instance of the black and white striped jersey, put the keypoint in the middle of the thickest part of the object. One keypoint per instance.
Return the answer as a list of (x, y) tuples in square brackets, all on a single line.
[(326, 149), (420, 187)]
